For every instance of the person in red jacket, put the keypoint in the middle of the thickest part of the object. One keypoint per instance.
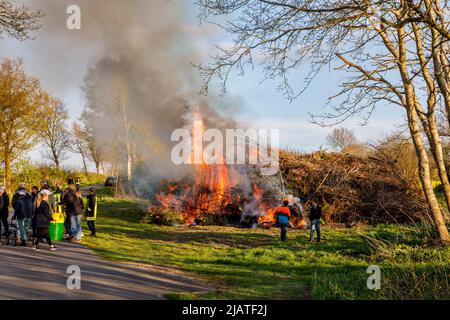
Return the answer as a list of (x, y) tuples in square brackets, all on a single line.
[(282, 215)]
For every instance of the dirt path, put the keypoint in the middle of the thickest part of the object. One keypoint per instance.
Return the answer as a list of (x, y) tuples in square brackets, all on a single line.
[(26, 274)]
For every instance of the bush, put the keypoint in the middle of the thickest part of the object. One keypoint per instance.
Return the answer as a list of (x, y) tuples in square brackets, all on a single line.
[(210, 219), (26, 171), (162, 216)]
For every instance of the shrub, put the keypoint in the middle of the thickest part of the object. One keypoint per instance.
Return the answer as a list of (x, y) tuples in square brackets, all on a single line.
[(162, 216)]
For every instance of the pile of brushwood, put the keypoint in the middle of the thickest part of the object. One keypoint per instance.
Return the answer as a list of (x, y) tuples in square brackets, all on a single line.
[(353, 189)]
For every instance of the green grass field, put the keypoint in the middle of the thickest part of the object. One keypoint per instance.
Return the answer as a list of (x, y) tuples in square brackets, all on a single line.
[(253, 264)]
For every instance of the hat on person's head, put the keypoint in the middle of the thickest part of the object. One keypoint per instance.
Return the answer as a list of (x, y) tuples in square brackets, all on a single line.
[(45, 191), (22, 184)]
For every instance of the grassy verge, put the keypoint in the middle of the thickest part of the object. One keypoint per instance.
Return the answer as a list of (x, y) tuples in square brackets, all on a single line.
[(253, 264)]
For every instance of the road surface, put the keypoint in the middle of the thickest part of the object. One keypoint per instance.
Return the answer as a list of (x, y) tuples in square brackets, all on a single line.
[(27, 274)]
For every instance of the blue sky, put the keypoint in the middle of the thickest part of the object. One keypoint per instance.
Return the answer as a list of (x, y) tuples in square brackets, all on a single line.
[(261, 105)]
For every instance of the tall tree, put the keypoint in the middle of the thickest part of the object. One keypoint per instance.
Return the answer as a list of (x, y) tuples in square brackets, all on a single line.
[(56, 135), (78, 144), (124, 121), (18, 21), (107, 101), (22, 102), (380, 44), (88, 121)]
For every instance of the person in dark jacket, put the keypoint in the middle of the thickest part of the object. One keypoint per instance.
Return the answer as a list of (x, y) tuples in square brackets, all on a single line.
[(283, 214), (23, 209), (51, 198), (91, 211), (34, 194), (80, 198), (4, 210), (315, 214), (43, 218), (58, 189), (73, 213)]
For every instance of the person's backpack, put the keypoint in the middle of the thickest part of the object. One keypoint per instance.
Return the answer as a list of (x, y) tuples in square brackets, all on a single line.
[(283, 219)]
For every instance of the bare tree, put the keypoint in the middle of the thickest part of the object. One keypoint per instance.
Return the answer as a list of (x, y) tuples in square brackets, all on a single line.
[(78, 144), (395, 52), (398, 151), (56, 135), (124, 121), (108, 101), (18, 21), (88, 121), (341, 138), (22, 102)]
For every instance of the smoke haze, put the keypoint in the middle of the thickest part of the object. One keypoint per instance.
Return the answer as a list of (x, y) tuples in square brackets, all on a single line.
[(143, 47)]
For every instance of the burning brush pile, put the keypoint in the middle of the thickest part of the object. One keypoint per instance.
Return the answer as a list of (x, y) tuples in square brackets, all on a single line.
[(217, 195), (353, 189)]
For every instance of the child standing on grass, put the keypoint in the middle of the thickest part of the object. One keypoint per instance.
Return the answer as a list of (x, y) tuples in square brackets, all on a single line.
[(282, 215), (42, 218)]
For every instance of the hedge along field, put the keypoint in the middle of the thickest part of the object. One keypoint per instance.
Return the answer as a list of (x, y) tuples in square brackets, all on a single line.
[(253, 264), (31, 174)]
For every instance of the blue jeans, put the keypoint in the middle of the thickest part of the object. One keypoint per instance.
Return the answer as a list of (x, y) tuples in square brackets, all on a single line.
[(75, 227), (283, 231), (67, 225), (23, 225), (315, 225)]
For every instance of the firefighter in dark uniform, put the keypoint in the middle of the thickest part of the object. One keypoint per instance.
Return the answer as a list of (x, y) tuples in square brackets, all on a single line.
[(91, 211)]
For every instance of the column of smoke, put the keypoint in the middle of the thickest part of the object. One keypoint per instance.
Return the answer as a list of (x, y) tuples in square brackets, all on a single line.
[(144, 47)]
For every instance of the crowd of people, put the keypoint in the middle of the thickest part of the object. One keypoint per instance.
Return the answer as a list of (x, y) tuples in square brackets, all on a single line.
[(284, 213), (34, 210)]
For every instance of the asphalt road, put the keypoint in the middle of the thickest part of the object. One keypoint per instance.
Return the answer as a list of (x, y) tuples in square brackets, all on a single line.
[(27, 274)]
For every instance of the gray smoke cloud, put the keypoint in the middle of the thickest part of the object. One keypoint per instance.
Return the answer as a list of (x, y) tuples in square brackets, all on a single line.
[(146, 46)]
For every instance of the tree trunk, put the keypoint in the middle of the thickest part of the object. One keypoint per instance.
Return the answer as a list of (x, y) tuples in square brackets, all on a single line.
[(425, 176), (421, 151), (129, 168), (439, 159), (8, 172), (57, 163), (428, 119), (84, 163), (429, 125)]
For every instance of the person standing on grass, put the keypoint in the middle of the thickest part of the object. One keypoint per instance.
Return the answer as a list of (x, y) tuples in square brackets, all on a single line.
[(282, 215), (80, 198), (4, 210), (23, 208), (315, 214), (58, 188), (91, 211), (42, 218), (34, 194), (73, 213), (51, 198)]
